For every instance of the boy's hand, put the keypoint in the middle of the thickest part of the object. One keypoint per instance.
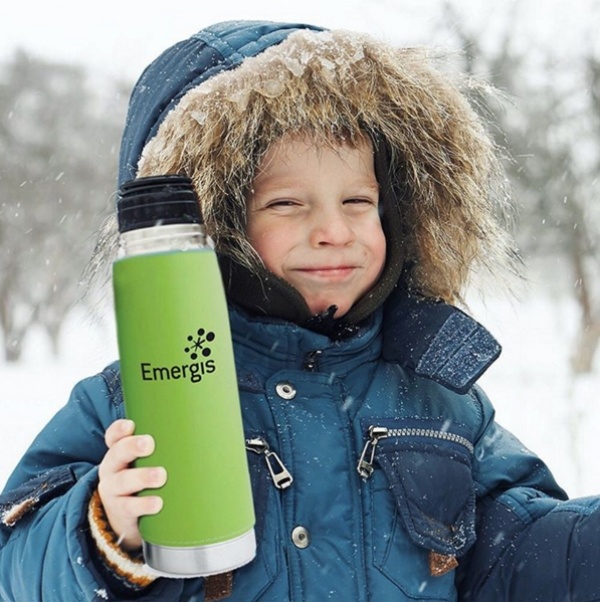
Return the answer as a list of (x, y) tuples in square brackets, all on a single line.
[(119, 482)]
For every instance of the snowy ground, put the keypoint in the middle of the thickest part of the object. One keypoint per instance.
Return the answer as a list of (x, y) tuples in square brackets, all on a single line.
[(535, 397), (529, 385), (35, 388)]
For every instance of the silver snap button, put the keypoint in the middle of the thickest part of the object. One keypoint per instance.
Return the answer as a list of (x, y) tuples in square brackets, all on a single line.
[(285, 390), (300, 537)]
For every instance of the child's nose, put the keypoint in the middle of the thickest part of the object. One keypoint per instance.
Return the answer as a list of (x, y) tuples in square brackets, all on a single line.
[(331, 227)]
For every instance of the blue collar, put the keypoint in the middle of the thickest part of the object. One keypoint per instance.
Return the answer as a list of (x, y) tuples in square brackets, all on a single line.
[(433, 339), (437, 341)]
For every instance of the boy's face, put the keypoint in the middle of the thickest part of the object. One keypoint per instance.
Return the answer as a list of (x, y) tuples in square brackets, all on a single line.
[(313, 219)]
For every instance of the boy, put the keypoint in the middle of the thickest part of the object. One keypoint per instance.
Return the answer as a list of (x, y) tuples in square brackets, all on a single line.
[(347, 188)]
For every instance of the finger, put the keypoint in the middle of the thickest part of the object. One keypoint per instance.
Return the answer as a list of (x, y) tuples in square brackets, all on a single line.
[(123, 516), (134, 480), (117, 430), (124, 452), (132, 507)]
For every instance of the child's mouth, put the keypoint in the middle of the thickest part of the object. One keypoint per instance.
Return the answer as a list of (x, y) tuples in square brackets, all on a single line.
[(330, 273)]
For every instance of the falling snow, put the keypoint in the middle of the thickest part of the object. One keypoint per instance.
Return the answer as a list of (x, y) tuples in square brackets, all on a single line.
[(529, 385)]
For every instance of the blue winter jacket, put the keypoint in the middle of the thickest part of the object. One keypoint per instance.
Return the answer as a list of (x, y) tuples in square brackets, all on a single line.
[(443, 477), (438, 477)]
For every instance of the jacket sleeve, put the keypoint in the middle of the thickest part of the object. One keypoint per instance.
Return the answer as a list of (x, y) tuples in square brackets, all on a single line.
[(532, 542), (46, 552)]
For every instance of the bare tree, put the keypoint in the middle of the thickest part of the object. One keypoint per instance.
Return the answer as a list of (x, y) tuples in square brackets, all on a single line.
[(586, 246), (58, 143), (548, 127)]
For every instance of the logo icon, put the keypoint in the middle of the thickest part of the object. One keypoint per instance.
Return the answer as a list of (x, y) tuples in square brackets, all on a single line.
[(199, 344)]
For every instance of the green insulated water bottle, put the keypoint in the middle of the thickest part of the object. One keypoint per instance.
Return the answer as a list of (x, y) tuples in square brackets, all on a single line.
[(179, 380)]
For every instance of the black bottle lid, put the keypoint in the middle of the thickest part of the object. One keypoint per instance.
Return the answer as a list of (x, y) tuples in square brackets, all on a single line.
[(157, 201)]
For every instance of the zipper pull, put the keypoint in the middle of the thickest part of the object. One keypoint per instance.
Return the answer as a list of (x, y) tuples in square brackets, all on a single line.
[(311, 359), (281, 476), (365, 463)]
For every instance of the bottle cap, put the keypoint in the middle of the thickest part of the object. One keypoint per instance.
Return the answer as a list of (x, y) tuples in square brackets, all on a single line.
[(157, 201)]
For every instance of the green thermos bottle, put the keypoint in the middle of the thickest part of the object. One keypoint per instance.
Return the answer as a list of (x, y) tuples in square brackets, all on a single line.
[(179, 381)]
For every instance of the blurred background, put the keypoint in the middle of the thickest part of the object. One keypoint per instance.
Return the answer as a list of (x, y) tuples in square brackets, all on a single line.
[(66, 71)]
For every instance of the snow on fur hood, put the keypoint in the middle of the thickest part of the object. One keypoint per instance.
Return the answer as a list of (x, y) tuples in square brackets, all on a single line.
[(210, 106)]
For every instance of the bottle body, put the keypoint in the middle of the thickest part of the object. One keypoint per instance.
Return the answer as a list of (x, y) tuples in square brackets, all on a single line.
[(180, 386)]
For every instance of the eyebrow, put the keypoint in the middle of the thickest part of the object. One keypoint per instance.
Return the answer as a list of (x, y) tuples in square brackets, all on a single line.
[(370, 185), (284, 183)]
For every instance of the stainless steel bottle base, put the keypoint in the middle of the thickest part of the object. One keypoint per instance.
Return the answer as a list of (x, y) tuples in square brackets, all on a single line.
[(201, 561)]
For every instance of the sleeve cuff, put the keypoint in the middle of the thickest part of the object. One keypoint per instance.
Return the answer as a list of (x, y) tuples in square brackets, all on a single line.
[(129, 570)]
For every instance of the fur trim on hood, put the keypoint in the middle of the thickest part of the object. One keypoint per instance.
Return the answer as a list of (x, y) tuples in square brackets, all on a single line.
[(335, 86)]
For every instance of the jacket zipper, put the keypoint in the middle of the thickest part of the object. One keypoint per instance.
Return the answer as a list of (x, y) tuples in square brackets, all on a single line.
[(281, 476), (376, 433), (311, 360)]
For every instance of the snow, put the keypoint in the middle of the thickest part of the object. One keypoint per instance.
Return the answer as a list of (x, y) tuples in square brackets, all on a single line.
[(553, 415), (534, 395), (35, 388)]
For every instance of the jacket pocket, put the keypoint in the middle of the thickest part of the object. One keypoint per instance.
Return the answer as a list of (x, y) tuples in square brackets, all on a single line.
[(422, 503), (34, 493)]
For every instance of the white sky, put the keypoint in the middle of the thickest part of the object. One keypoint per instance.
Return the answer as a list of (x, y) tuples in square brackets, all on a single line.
[(122, 37)]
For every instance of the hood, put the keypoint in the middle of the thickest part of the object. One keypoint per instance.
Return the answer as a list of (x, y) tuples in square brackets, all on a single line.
[(210, 106), (185, 66)]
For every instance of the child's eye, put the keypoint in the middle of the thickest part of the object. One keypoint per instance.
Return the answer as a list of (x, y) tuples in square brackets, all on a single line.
[(360, 201), (281, 203)]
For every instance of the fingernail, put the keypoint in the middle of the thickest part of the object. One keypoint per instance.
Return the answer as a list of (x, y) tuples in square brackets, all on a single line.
[(128, 426), (157, 505), (145, 444), (158, 476)]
